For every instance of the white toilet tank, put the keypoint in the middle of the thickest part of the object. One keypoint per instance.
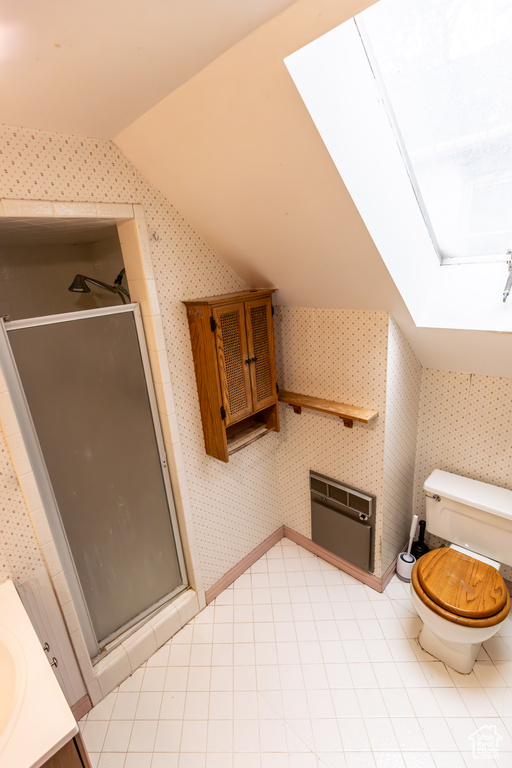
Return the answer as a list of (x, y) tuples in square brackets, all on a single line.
[(475, 515)]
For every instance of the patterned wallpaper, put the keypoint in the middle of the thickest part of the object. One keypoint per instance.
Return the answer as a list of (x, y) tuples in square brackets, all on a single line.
[(338, 355), (465, 426), (43, 166), (19, 548), (402, 402), (350, 356)]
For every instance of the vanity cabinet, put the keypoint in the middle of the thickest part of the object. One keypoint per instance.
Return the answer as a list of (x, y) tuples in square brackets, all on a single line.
[(71, 755), (234, 358)]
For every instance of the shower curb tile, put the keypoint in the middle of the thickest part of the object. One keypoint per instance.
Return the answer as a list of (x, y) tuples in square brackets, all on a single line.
[(165, 624), (140, 646), (113, 670), (187, 606), (94, 691)]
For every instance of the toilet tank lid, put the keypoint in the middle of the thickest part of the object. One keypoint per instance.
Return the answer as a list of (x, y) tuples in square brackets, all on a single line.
[(490, 498)]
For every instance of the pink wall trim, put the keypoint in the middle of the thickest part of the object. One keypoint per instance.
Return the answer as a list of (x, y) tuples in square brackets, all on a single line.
[(375, 582), (379, 584), (243, 565), (81, 708)]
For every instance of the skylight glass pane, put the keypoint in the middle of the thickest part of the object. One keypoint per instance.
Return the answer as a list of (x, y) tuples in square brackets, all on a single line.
[(447, 68)]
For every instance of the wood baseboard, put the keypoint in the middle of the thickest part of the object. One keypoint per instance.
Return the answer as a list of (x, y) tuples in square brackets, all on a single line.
[(82, 707), (243, 565), (375, 582)]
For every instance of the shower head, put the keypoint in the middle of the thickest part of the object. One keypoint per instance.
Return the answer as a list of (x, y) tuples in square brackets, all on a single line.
[(79, 285)]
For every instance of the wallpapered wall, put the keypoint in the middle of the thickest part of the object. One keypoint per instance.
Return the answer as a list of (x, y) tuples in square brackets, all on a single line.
[(337, 355), (43, 166), (350, 356), (402, 401), (464, 426), (19, 548)]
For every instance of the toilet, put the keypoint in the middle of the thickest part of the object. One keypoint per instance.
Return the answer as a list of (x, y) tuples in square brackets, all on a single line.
[(458, 591)]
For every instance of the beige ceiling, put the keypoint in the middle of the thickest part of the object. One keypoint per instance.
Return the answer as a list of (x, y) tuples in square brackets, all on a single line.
[(197, 96), (91, 68), (235, 150)]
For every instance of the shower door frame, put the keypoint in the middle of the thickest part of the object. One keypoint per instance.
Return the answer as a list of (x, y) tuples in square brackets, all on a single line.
[(13, 380)]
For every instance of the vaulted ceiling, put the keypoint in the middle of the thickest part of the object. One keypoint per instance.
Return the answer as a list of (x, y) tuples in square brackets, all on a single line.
[(197, 95), (91, 68)]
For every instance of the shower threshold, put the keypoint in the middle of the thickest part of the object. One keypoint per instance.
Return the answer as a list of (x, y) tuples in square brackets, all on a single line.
[(116, 638)]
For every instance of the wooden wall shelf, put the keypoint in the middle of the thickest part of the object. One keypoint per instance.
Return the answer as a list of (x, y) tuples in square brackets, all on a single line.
[(349, 413)]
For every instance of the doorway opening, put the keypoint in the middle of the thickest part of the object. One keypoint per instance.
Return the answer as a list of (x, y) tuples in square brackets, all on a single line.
[(50, 328)]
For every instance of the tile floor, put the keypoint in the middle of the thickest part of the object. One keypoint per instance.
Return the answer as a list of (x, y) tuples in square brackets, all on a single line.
[(298, 665)]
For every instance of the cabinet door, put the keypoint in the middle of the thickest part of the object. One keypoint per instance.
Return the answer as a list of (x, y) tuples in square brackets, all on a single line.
[(231, 343), (260, 341), (67, 757)]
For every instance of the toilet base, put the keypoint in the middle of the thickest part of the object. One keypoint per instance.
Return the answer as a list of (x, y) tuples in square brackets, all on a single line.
[(459, 656)]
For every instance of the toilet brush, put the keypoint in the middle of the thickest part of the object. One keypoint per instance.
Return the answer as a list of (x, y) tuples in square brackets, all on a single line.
[(419, 547), (405, 560)]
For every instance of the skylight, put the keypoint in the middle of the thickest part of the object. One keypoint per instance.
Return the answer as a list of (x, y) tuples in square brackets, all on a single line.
[(462, 208), (445, 68)]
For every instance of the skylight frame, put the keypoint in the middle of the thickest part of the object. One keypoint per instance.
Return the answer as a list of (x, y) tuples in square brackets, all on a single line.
[(445, 259), (388, 107)]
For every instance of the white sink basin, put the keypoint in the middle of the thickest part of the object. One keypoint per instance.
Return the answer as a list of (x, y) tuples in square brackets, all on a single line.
[(13, 673), (35, 719)]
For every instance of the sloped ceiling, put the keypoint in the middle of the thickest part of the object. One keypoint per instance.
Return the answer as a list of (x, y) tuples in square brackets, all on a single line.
[(236, 152), (91, 68)]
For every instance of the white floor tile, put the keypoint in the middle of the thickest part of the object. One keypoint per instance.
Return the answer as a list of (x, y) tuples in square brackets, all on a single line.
[(298, 665), (117, 737), (194, 735), (142, 737)]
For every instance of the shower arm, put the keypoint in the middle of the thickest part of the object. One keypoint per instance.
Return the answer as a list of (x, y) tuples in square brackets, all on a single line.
[(116, 288)]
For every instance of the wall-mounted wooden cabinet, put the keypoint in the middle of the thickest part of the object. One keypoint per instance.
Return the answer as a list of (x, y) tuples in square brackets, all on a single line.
[(233, 346)]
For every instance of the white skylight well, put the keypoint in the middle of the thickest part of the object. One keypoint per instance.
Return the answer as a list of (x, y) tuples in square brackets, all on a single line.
[(446, 68), (419, 125)]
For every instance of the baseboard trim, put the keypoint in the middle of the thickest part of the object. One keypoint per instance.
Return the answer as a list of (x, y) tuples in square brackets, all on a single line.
[(82, 707), (379, 583), (243, 565), (388, 575), (375, 582)]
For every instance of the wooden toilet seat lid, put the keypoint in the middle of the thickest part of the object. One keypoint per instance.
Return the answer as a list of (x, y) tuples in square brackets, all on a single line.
[(462, 585)]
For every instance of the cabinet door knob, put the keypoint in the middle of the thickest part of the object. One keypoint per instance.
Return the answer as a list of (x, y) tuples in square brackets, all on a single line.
[(254, 359), (248, 361)]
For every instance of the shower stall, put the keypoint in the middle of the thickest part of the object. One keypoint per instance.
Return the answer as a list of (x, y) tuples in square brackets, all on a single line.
[(82, 389)]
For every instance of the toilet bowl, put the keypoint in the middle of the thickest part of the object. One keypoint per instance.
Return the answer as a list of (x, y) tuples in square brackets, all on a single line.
[(462, 600), (458, 591)]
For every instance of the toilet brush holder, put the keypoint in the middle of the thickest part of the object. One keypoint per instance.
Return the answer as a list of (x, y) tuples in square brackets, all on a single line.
[(404, 566)]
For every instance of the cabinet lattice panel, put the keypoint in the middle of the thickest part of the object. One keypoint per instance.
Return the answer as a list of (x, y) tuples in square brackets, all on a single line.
[(232, 339), (234, 363), (261, 352)]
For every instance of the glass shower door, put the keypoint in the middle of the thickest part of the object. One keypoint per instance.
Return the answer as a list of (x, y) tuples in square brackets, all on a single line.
[(85, 380)]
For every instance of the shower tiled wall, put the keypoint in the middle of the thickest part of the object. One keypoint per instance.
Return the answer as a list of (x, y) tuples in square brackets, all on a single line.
[(338, 355), (402, 400)]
